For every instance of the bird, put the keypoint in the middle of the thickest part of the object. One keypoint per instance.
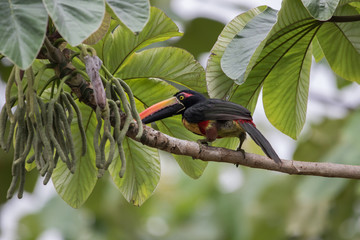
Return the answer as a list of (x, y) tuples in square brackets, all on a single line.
[(211, 118)]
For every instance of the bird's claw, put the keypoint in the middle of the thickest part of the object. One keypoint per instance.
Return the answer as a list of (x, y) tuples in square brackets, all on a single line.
[(242, 151)]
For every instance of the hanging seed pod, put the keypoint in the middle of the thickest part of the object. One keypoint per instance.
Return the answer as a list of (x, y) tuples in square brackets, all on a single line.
[(9, 84), (79, 120), (59, 134), (116, 114), (122, 159), (50, 131), (47, 155), (108, 136), (69, 140), (22, 180), (29, 139), (29, 91), (3, 121), (120, 91), (65, 100), (135, 114), (19, 147)]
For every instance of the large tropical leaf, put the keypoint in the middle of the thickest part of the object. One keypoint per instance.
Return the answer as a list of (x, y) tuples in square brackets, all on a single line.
[(282, 66), (134, 13), (22, 27), (142, 172), (287, 60), (75, 188), (341, 46), (122, 43), (167, 63), (219, 85), (240, 50), (76, 20)]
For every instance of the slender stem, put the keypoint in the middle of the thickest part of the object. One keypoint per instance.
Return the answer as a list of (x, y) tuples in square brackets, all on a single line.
[(353, 18)]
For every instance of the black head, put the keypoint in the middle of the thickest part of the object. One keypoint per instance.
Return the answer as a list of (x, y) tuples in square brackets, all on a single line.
[(189, 97), (172, 106)]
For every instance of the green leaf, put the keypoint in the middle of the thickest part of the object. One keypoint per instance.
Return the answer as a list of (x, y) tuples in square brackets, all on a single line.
[(101, 32), (289, 52), (219, 85), (316, 50), (341, 46), (76, 20), (22, 27), (75, 188), (240, 50), (183, 69), (134, 13), (122, 43), (142, 172), (321, 9), (282, 66), (151, 91)]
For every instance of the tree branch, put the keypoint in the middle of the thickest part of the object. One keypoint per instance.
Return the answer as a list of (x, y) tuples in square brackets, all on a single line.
[(156, 139)]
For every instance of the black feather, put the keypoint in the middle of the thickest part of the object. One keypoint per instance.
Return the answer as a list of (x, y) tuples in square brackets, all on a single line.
[(260, 140), (216, 109)]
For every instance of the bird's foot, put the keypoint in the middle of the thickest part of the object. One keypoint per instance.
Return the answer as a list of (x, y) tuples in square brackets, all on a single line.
[(202, 143), (241, 150)]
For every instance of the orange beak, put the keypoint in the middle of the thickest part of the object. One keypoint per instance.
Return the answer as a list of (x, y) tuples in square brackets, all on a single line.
[(161, 110)]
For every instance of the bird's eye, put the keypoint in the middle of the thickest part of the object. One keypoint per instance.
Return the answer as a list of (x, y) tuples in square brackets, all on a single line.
[(181, 97)]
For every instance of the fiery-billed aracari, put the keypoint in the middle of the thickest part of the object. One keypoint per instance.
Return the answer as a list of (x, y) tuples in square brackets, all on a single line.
[(212, 118)]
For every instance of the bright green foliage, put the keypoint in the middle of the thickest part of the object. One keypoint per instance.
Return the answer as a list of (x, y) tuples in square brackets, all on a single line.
[(122, 43), (22, 28), (142, 172), (133, 13), (154, 63), (316, 50), (173, 127), (344, 57)]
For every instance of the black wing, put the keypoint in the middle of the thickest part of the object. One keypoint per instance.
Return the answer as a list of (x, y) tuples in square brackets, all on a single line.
[(216, 109)]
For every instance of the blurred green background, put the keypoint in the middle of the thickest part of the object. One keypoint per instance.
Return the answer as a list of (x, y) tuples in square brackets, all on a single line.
[(226, 202)]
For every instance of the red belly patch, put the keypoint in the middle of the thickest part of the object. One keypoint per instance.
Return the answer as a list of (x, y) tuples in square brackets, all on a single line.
[(202, 126)]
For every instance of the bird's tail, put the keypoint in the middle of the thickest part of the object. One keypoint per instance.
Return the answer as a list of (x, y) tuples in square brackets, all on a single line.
[(260, 140)]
